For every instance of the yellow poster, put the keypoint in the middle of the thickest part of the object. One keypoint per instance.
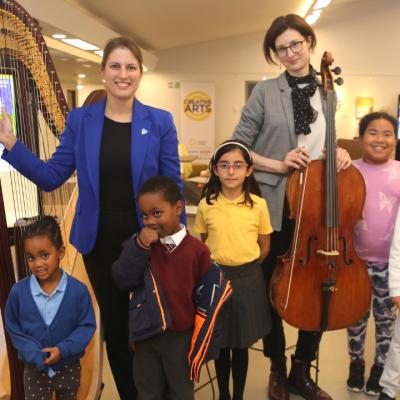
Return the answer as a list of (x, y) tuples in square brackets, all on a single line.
[(198, 118), (364, 105)]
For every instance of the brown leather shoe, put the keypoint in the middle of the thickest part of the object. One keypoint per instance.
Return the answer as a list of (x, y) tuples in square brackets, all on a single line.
[(300, 382), (278, 386)]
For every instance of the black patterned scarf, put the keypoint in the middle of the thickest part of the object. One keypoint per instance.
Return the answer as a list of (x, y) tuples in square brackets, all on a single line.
[(304, 114)]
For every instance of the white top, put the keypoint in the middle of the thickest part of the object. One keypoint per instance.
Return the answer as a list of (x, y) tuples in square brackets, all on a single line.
[(314, 142)]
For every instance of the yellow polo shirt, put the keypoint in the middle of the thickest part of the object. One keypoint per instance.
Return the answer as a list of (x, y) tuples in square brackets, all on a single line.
[(233, 228)]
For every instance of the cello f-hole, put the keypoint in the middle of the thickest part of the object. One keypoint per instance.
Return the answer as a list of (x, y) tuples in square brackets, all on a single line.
[(303, 262), (347, 260)]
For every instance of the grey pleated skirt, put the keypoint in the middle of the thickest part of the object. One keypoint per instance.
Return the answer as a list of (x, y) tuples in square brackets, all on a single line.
[(246, 318)]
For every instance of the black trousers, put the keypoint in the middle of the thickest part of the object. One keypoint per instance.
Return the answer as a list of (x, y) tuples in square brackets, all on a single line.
[(275, 343), (115, 227), (161, 367)]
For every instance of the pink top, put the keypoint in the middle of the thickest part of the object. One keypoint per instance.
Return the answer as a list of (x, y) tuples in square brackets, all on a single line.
[(373, 234)]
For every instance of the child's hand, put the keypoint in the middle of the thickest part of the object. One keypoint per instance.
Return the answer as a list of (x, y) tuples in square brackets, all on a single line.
[(54, 355), (396, 301), (148, 236)]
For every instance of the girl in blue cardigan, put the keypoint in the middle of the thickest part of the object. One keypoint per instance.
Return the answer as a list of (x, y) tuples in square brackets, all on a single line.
[(49, 317)]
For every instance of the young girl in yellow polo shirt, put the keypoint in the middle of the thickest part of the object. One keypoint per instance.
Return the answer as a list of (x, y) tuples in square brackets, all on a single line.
[(234, 222)]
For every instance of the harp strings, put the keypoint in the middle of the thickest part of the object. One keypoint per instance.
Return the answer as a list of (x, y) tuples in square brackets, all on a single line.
[(40, 110)]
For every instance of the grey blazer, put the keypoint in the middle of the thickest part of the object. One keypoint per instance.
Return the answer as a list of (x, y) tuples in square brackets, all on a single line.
[(267, 127)]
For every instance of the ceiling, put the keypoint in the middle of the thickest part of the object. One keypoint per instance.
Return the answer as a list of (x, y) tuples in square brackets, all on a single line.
[(69, 67), (162, 24)]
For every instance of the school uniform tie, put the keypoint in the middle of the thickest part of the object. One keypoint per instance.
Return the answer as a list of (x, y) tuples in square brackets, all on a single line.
[(170, 247)]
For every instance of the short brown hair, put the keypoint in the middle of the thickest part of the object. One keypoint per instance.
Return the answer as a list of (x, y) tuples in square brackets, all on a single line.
[(282, 24), (124, 43)]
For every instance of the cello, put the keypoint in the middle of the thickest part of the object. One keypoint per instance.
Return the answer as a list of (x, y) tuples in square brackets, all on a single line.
[(320, 283)]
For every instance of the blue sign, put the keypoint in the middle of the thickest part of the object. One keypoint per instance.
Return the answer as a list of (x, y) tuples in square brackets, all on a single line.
[(7, 97)]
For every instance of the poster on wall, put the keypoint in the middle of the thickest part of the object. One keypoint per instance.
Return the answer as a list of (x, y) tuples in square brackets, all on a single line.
[(198, 118), (7, 100), (8, 176), (364, 105)]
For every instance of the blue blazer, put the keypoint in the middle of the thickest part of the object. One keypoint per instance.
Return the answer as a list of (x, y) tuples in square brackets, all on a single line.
[(154, 151)]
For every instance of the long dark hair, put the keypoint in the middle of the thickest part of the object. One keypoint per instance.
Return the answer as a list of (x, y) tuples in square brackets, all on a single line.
[(213, 188)]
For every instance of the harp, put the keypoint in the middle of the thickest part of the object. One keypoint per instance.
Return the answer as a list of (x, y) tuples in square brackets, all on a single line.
[(31, 91)]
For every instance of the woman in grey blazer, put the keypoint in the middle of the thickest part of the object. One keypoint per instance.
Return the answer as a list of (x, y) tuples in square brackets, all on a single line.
[(283, 122)]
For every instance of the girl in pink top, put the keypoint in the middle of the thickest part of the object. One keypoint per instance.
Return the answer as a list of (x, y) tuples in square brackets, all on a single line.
[(373, 235)]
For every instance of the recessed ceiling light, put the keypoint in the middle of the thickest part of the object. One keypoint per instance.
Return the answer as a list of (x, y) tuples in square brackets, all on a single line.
[(79, 60), (80, 44), (86, 65), (81, 76), (99, 53), (312, 18), (59, 36), (79, 87), (145, 69), (321, 4)]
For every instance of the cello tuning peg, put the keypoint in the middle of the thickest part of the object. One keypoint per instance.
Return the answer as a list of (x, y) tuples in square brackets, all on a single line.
[(339, 81), (337, 70)]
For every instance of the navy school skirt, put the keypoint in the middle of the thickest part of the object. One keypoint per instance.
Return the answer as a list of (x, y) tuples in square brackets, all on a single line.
[(246, 318)]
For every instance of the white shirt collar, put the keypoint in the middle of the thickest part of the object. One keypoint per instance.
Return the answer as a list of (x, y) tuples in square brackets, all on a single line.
[(176, 238)]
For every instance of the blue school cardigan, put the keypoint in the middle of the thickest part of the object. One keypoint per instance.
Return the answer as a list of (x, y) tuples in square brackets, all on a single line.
[(71, 329)]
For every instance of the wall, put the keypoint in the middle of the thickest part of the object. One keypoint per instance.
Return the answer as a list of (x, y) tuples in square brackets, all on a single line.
[(365, 44), (363, 41), (84, 93), (224, 62)]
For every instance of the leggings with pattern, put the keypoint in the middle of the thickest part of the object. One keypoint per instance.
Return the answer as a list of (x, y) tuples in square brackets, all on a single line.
[(384, 313)]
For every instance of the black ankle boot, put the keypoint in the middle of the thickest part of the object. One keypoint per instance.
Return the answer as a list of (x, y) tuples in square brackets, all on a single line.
[(300, 382), (278, 386)]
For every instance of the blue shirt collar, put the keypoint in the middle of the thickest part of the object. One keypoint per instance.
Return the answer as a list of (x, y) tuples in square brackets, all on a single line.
[(37, 290)]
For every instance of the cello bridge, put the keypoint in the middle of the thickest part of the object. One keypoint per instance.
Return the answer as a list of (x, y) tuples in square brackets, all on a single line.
[(328, 253)]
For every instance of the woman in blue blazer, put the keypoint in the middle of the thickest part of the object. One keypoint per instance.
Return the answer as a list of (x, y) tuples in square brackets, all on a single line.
[(114, 146)]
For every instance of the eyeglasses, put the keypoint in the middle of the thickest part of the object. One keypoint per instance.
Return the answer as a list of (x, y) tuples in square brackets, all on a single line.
[(237, 165), (295, 46)]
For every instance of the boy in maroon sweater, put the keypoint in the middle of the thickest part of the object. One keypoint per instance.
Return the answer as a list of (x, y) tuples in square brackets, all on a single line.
[(178, 263)]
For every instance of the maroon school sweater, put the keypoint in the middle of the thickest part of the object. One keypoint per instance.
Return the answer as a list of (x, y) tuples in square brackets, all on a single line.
[(178, 274)]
